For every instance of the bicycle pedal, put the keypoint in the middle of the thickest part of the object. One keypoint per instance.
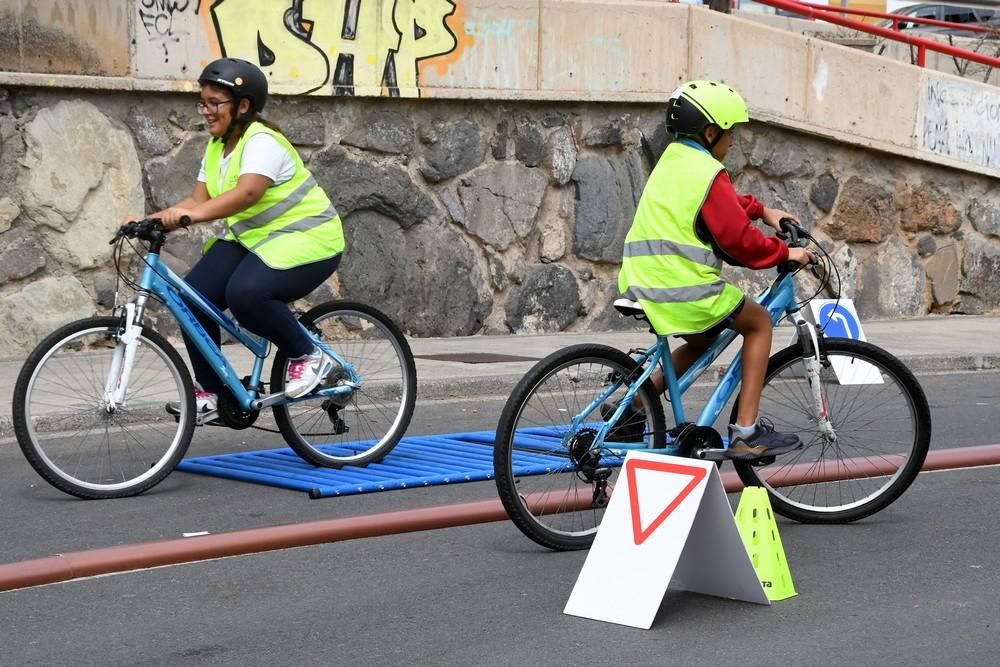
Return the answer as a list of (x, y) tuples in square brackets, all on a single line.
[(762, 461), (710, 454)]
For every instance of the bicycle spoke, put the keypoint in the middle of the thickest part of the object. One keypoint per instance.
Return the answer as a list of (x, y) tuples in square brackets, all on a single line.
[(81, 444), (562, 506), (880, 434)]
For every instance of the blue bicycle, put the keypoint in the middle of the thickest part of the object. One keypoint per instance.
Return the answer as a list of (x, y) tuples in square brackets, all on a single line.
[(862, 417), (89, 403)]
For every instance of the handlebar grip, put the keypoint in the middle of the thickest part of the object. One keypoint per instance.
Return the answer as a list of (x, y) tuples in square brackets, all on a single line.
[(793, 232), (185, 221)]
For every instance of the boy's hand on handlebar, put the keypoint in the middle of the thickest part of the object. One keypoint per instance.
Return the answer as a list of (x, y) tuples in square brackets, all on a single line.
[(802, 256), (772, 217)]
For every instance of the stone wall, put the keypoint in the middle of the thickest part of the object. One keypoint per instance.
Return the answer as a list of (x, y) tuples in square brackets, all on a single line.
[(466, 217)]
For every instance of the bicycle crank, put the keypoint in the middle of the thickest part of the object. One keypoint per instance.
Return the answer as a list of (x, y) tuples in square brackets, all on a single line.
[(234, 416)]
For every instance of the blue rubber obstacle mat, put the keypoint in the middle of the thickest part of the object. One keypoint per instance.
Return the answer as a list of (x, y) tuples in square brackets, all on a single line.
[(415, 462)]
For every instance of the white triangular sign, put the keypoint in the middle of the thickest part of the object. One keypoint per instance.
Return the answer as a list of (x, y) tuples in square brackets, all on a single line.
[(669, 518)]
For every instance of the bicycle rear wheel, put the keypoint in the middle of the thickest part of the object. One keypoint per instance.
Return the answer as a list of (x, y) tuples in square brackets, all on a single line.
[(553, 481), (74, 439), (882, 431), (365, 425)]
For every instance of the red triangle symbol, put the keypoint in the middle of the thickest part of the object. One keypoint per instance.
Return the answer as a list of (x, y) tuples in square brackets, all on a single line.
[(695, 473)]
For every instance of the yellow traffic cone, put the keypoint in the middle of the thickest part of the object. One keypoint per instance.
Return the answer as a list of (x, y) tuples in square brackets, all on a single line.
[(760, 537)]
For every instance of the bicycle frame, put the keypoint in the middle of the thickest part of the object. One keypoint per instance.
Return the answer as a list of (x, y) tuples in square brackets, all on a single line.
[(179, 297), (779, 300)]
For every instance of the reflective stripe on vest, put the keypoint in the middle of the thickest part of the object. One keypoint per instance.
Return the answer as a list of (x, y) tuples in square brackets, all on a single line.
[(293, 223), (666, 267)]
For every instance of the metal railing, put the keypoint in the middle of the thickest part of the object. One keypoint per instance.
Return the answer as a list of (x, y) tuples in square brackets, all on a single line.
[(897, 19), (835, 15)]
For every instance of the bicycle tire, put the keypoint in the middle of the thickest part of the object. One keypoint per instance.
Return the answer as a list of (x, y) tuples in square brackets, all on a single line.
[(65, 429), (533, 424), (379, 412), (879, 449)]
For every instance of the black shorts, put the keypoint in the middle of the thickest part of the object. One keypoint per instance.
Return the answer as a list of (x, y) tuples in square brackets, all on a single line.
[(724, 323)]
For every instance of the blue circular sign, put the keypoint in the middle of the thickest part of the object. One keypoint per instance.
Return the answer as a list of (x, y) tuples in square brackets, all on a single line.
[(838, 322)]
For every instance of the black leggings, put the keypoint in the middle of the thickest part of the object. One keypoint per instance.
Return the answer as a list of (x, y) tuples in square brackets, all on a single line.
[(230, 276)]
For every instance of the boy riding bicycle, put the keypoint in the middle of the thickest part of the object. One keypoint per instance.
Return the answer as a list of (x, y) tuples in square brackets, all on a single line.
[(688, 222)]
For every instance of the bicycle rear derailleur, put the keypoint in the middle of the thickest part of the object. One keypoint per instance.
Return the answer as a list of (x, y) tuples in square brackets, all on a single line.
[(333, 404), (588, 465)]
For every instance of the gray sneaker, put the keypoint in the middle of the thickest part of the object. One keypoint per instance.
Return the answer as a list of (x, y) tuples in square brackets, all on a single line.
[(764, 441)]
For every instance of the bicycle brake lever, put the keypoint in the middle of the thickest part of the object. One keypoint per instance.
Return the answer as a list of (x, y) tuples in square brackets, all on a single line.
[(119, 234)]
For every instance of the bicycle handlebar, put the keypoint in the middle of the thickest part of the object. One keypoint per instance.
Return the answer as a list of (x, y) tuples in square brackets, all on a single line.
[(796, 237), (792, 231), (146, 229)]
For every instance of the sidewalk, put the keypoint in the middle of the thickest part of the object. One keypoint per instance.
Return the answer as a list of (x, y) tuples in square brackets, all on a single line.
[(491, 365)]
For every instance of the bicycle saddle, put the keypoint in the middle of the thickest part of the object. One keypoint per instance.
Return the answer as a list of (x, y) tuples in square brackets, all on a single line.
[(629, 307)]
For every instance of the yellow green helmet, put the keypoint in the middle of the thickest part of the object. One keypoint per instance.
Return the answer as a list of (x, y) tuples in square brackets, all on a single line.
[(697, 104)]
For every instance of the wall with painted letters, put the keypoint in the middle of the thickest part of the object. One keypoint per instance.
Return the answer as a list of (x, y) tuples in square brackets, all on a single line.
[(962, 121), (554, 50)]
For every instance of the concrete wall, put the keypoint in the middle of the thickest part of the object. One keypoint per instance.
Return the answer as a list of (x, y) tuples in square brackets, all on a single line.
[(66, 37), (585, 50)]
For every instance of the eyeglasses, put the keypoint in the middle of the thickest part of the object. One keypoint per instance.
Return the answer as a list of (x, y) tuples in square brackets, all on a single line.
[(211, 107)]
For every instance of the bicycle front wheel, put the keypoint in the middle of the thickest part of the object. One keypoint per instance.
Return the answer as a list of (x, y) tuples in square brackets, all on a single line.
[(881, 431), (76, 439), (553, 479), (363, 426)]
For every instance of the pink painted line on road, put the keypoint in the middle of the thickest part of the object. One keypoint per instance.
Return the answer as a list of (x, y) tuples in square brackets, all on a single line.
[(76, 565)]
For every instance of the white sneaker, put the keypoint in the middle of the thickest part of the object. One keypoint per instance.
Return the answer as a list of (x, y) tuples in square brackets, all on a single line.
[(206, 406), (305, 373)]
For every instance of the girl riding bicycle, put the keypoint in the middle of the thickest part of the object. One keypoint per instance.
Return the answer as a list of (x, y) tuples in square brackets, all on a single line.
[(688, 221), (283, 237)]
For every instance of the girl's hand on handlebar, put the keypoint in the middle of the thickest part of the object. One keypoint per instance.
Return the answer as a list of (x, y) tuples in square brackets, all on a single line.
[(802, 256), (772, 217), (175, 217)]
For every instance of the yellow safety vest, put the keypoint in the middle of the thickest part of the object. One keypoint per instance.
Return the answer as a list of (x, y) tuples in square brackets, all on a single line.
[(292, 224), (673, 274)]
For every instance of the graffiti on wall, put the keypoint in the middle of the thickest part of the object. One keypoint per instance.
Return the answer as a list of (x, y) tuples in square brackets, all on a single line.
[(157, 17), (961, 121), (337, 46)]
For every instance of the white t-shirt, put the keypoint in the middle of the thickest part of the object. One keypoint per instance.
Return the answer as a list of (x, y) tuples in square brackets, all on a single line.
[(262, 155)]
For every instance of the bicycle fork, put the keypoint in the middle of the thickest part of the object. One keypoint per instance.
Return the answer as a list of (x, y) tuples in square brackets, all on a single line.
[(809, 341), (123, 359)]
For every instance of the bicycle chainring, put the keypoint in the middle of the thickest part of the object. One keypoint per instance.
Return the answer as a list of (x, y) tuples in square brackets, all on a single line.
[(234, 416), (692, 438)]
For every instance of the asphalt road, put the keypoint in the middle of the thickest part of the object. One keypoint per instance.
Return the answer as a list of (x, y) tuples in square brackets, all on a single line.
[(916, 584)]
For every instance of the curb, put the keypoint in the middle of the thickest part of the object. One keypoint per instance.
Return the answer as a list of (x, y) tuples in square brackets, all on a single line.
[(925, 364), (470, 386)]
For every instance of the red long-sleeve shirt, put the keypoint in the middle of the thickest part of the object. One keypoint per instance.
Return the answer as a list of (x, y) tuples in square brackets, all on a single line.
[(726, 216)]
